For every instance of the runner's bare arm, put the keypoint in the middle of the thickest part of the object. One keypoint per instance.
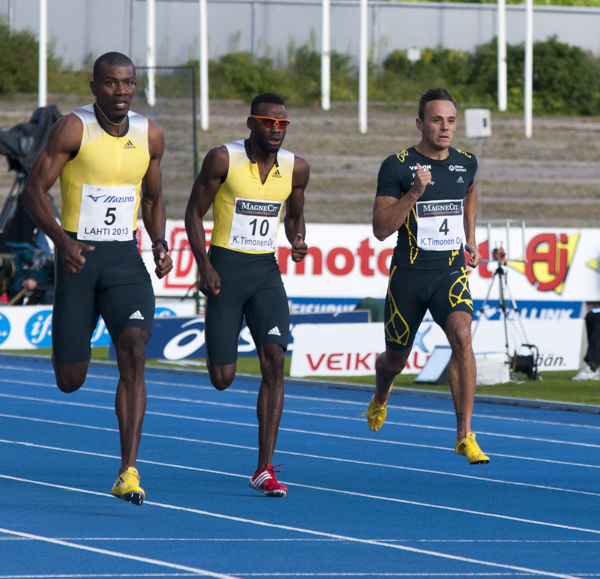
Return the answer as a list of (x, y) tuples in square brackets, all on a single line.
[(213, 172), (154, 212), (389, 213), (63, 144), (470, 207), (295, 228)]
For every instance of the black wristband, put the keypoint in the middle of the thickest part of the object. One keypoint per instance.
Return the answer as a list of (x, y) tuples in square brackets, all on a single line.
[(163, 241)]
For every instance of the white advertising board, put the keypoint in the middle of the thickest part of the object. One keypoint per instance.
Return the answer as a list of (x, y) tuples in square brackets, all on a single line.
[(351, 349), (347, 261)]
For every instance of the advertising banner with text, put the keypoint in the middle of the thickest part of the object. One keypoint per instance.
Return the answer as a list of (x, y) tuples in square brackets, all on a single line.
[(347, 261), (351, 350)]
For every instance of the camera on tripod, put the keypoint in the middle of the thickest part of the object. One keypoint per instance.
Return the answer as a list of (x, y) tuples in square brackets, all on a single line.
[(498, 254), (525, 363)]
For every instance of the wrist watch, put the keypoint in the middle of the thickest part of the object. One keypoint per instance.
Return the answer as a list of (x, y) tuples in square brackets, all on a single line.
[(163, 241)]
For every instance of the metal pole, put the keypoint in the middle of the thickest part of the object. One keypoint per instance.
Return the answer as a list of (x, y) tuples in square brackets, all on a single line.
[(194, 121), (478, 177), (151, 50), (131, 29), (325, 57), (203, 66), (11, 14), (502, 82), (363, 69), (529, 69), (43, 55), (253, 30)]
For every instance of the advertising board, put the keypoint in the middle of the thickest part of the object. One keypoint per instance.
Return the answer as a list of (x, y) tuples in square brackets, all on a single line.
[(351, 350), (347, 261)]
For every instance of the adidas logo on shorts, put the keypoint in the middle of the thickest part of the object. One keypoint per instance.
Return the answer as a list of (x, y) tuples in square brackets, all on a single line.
[(129, 145), (137, 315), (460, 180), (274, 332)]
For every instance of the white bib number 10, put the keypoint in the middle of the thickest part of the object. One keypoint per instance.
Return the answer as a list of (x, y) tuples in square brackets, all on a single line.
[(254, 225)]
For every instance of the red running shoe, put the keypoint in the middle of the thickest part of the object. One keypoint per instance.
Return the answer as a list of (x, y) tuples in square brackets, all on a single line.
[(264, 481)]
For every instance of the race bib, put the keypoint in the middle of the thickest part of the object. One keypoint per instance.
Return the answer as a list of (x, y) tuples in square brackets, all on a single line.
[(254, 225), (106, 213), (440, 225)]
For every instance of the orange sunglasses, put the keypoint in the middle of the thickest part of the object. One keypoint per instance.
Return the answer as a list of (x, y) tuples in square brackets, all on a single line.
[(269, 122)]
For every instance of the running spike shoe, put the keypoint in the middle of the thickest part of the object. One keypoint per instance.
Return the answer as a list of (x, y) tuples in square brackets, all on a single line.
[(376, 414), (127, 487), (264, 482), (469, 448)]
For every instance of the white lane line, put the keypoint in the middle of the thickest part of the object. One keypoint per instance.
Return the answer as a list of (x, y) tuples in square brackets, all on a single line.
[(284, 574), (311, 399), (43, 539), (252, 408), (289, 528), (322, 489), (106, 575), (318, 456), (314, 540)]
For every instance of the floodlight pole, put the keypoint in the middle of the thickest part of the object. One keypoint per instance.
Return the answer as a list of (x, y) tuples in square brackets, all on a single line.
[(502, 83), (151, 50), (203, 66), (529, 68), (325, 56), (363, 69), (11, 14), (43, 55)]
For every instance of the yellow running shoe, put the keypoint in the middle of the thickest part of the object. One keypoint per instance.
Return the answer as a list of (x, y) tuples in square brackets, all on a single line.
[(376, 414), (469, 448), (127, 487)]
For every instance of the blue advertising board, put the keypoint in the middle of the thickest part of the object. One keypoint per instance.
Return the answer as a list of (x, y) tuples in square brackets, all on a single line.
[(178, 338)]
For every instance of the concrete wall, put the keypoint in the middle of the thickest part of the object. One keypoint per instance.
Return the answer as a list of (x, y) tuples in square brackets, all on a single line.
[(86, 28)]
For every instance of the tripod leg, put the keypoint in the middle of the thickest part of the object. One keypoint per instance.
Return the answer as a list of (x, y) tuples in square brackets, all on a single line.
[(485, 301), (9, 205)]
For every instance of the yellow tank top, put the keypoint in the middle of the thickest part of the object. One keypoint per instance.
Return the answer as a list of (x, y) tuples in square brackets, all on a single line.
[(246, 212), (101, 186)]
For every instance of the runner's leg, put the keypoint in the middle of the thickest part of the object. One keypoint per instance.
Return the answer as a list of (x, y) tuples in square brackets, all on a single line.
[(462, 372), (130, 401), (387, 366), (269, 406)]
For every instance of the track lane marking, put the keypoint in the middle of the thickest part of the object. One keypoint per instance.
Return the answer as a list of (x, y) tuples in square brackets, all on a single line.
[(62, 543), (255, 522), (313, 399), (299, 485), (317, 456), (253, 408)]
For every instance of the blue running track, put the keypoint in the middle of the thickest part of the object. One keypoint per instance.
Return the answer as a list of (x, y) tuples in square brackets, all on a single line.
[(397, 503)]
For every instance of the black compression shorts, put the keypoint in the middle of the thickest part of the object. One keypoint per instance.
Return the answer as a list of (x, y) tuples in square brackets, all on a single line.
[(412, 292), (113, 283), (251, 286)]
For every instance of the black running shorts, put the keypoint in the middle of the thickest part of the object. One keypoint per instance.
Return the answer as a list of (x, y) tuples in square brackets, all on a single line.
[(251, 286), (412, 292), (113, 283)]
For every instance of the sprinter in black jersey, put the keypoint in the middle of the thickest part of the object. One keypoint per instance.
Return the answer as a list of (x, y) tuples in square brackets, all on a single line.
[(427, 194)]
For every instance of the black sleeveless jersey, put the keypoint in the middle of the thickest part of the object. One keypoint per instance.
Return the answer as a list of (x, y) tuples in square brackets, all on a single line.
[(432, 236)]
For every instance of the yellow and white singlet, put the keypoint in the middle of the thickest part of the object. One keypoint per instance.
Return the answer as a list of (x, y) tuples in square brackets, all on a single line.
[(246, 212), (101, 186)]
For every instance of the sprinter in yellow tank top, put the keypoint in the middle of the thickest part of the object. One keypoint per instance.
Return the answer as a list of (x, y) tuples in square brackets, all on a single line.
[(248, 183), (108, 159)]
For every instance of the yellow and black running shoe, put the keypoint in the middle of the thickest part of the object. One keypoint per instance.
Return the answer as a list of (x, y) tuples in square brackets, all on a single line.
[(376, 414), (469, 448), (127, 487)]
